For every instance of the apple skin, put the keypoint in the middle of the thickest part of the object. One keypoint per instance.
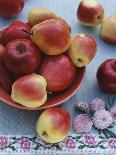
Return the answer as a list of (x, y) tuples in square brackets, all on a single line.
[(106, 76), (6, 79), (14, 31), (90, 13), (22, 57), (39, 15), (11, 8), (51, 36), (59, 72), (53, 125), (108, 29), (82, 49), (30, 91)]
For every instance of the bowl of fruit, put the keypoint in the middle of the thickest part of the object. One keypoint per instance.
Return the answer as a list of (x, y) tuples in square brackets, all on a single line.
[(41, 64)]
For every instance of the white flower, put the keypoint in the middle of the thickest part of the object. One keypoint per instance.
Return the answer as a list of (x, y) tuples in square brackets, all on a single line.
[(113, 113), (97, 104), (102, 119), (82, 123)]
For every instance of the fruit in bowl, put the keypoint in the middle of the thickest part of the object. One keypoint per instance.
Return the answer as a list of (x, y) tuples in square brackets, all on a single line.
[(22, 57), (53, 125), (58, 71), (14, 31), (106, 76), (82, 49), (108, 29), (90, 13), (11, 8), (39, 15), (30, 91), (6, 78), (51, 36)]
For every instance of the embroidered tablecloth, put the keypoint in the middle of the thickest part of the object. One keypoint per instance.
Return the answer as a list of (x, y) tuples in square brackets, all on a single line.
[(17, 127)]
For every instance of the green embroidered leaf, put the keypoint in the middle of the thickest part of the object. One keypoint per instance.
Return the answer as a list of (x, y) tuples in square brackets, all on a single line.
[(81, 146), (110, 127), (101, 137), (102, 147), (110, 133), (37, 147), (105, 134), (110, 103), (12, 148), (14, 138)]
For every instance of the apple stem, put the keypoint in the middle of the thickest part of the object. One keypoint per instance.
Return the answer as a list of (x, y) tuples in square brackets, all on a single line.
[(114, 65), (44, 134), (30, 33), (21, 48)]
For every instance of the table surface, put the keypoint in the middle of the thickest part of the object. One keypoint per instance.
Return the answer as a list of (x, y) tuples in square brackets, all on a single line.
[(21, 122)]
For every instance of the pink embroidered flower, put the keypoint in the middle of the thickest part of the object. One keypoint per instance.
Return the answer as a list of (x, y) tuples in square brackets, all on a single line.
[(70, 143), (113, 113), (82, 123), (90, 140), (97, 104), (25, 144), (112, 143), (3, 141), (102, 119)]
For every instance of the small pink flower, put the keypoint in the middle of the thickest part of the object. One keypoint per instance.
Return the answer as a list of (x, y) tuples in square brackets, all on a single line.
[(3, 141), (25, 144), (90, 140), (97, 104), (113, 113), (112, 143), (82, 123), (70, 143)]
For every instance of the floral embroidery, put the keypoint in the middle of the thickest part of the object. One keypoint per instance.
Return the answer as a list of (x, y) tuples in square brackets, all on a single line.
[(25, 144), (90, 140), (112, 143), (3, 142), (70, 143)]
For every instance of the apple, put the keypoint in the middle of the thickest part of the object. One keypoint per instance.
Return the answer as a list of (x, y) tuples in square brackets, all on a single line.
[(90, 13), (14, 31), (6, 80), (53, 125), (51, 36), (82, 49), (30, 91), (22, 57), (11, 8), (106, 75), (108, 29), (39, 15), (58, 71)]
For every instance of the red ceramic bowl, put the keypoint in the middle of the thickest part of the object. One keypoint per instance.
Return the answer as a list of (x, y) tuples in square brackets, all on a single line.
[(53, 99)]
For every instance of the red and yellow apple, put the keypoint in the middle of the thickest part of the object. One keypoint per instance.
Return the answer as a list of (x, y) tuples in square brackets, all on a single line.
[(22, 57), (14, 31), (11, 8), (82, 49), (90, 12), (108, 29), (53, 125), (39, 15), (51, 36), (30, 91), (58, 71), (106, 76)]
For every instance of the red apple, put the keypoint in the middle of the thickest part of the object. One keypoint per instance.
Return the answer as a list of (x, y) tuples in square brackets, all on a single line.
[(11, 8), (58, 71), (6, 79), (22, 57), (14, 31), (82, 49), (53, 125), (90, 12), (106, 75)]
